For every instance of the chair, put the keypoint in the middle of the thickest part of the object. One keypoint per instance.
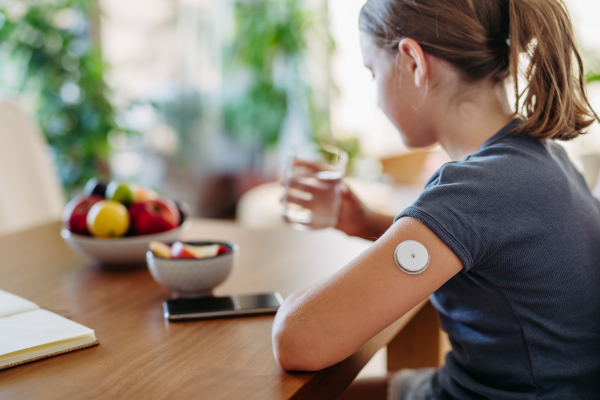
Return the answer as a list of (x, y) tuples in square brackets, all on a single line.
[(30, 191), (591, 170), (406, 169)]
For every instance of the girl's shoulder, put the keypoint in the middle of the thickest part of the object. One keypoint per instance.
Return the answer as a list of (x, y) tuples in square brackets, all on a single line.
[(470, 204), (512, 163)]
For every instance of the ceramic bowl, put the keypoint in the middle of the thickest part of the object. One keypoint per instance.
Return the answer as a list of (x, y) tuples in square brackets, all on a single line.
[(120, 252), (196, 277)]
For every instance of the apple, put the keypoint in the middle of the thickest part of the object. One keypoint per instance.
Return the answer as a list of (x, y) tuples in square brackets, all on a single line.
[(108, 219), (160, 249), (180, 250), (203, 251), (75, 214), (153, 216), (95, 187), (222, 250), (122, 192), (143, 194)]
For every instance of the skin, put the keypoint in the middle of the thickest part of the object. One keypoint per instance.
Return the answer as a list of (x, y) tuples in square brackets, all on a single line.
[(429, 103)]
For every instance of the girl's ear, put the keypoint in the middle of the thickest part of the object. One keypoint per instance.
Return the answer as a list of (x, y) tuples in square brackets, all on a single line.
[(412, 54)]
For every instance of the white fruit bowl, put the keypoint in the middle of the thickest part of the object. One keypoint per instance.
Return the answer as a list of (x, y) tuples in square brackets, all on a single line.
[(193, 277), (121, 251)]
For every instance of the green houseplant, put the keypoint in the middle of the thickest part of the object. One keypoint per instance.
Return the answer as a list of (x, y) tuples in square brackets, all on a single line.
[(269, 44), (266, 32), (50, 45)]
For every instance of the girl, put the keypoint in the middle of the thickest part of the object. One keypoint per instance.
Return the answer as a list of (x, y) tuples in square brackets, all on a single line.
[(512, 231)]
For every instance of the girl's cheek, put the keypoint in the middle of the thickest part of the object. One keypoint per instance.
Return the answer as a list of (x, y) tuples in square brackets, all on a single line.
[(385, 98), (391, 104)]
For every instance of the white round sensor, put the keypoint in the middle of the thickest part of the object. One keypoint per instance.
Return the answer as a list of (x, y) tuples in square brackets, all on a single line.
[(412, 257)]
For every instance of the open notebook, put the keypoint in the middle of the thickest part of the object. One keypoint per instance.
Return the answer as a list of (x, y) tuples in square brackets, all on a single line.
[(28, 333)]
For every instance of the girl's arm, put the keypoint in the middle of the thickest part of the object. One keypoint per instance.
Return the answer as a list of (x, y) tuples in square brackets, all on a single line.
[(328, 322)]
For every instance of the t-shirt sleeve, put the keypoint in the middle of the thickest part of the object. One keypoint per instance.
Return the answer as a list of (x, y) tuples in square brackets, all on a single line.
[(463, 209)]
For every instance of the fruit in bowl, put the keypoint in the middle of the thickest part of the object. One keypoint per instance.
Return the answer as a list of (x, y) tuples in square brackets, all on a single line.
[(191, 269), (123, 192), (181, 250), (153, 216), (108, 219), (76, 212), (120, 208), (95, 187), (116, 229)]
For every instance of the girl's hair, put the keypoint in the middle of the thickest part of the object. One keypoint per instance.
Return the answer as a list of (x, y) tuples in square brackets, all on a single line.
[(483, 39)]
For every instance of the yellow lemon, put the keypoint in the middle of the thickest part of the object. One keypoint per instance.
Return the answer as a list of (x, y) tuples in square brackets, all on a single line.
[(108, 219)]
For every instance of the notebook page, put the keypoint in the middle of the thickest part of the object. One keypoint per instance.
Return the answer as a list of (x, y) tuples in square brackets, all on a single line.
[(36, 328), (45, 350), (13, 304)]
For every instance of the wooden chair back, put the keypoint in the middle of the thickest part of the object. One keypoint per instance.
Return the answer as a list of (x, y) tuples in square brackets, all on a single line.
[(406, 169)]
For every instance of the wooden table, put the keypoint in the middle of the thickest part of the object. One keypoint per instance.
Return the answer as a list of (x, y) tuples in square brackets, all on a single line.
[(141, 355)]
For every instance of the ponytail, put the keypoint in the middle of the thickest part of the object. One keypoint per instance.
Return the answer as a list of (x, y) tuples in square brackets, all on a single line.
[(555, 103), (472, 36)]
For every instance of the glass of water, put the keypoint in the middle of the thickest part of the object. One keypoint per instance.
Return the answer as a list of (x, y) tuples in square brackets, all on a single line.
[(312, 186)]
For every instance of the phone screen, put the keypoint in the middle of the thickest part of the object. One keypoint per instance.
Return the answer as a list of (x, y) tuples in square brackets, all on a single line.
[(207, 307)]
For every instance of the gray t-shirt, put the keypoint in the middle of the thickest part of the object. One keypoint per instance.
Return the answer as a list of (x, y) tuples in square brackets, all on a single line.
[(523, 316)]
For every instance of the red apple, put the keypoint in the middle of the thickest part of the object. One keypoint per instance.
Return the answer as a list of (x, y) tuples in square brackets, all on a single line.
[(153, 216), (222, 250), (75, 214), (180, 250)]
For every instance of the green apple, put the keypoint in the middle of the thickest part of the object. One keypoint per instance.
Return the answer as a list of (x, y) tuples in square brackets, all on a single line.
[(123, 192)]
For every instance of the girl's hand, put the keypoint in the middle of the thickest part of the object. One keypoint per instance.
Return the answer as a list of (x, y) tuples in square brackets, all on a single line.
[(354, 217)]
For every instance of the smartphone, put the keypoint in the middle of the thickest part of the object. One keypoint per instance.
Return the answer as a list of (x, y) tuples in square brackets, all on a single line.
[(209, 307)]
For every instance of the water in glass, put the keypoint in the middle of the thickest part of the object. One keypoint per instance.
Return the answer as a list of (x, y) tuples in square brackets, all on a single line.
[(324, 198)]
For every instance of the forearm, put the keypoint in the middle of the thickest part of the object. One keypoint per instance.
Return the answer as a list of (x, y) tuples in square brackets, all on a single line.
[(306, 339)]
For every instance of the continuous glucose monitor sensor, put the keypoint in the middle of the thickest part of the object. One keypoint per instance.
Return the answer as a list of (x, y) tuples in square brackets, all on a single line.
[(412, 257)]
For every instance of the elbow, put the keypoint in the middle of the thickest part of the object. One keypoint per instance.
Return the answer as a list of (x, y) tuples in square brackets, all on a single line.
[(287, 349), (289, 361), (292, 349)]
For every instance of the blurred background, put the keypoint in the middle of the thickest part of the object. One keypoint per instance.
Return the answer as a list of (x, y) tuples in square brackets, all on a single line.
[(201, 99)]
